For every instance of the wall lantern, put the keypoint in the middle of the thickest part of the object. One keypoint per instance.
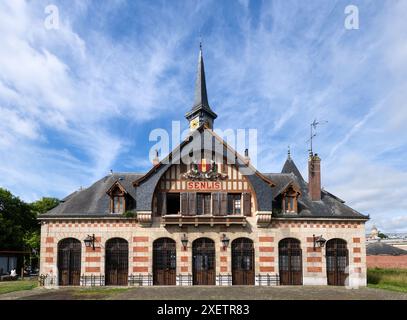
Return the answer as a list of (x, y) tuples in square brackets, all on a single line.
[(90, 241), (318, 241), (225, 241), (184, 241)]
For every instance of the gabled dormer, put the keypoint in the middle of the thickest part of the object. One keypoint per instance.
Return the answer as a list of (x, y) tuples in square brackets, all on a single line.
[(119, 199), (290, 198)]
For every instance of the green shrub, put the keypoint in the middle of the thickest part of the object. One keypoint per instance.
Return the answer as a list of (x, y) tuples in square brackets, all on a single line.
[(129, 214)]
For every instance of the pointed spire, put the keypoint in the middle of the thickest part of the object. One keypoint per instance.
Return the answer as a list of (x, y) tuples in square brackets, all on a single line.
[(201, 95), (201, 105), (290, 167)]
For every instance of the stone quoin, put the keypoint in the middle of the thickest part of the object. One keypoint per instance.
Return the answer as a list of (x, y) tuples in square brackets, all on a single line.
[(205, 222)]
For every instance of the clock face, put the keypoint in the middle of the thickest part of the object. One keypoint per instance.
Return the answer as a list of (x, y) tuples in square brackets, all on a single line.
[(194, 123)]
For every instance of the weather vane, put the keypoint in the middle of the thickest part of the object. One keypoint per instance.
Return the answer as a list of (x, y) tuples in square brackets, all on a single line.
[(313, 134)]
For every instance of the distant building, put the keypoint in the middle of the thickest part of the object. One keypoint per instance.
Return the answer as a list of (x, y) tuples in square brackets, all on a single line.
[(374, 234), (383, 255), (396, 239)]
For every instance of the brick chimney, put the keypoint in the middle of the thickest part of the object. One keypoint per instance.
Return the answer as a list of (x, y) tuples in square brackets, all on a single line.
[(156, 159), (246, 156), (314, 177)]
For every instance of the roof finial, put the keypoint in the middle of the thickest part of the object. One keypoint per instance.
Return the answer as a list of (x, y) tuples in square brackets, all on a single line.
[(289, 153)]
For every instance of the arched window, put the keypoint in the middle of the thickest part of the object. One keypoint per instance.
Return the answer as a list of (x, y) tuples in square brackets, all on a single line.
[(336, 262), (242, 262), (164, 261), (117, 262), (69, 262), (203, 261), (290, 261)]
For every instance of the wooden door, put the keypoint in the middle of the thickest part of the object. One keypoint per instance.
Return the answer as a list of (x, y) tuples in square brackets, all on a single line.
[(242, 262), (69, 262), (290, 262), (116, 262), (336, 262), (164, 262), (203, 262)]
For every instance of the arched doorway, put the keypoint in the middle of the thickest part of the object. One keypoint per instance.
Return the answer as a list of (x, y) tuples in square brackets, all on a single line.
[(242, 262), (290, 261), (164, 262), (69, 262), (116, 262), (203, 262), (336, 262)]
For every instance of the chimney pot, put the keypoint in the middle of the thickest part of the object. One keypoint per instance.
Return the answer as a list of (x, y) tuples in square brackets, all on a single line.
[(246, 156), (156, 159)]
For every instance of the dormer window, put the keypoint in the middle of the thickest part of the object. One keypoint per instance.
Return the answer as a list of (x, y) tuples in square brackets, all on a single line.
[(289, 204), (117, 195), (119, 204), (290, 199)]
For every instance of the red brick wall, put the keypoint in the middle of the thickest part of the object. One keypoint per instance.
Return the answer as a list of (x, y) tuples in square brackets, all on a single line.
[(387, 261)]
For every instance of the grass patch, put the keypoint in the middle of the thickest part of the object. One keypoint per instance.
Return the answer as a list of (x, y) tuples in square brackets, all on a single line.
[(18, 285), (98, 293), (388, 279)]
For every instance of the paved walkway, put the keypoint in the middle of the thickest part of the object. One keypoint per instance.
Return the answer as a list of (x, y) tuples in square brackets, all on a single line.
[(210, 293)]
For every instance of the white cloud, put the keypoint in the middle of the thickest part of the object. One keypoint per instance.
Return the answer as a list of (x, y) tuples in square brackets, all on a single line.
[(58, 90), (67, 96)]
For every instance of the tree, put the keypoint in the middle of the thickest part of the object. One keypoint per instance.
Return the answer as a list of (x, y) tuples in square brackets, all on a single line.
[(32, 237), (16, 217), (44, 205), (19, 228), (381, 235)]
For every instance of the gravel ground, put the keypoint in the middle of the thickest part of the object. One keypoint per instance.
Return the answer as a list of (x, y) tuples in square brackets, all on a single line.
[(210, 293)]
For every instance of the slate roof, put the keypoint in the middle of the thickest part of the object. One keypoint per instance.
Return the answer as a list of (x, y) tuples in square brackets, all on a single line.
[(329, 206), (93, 201), (380, 248)]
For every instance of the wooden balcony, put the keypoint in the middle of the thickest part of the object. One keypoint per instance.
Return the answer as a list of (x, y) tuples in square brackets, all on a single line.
[(180, 220)]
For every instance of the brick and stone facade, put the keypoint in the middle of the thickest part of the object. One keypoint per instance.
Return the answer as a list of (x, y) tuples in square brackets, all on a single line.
[(265, 241)]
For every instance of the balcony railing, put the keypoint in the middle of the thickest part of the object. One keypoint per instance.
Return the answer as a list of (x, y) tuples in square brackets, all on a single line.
[(180, 220)]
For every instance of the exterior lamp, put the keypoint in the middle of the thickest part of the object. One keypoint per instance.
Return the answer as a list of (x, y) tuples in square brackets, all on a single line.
[(184, 241), (90, 241), (225, 241), (318, 241)]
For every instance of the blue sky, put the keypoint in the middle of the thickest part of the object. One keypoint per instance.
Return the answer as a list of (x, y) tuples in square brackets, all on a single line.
[(80, 100)]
